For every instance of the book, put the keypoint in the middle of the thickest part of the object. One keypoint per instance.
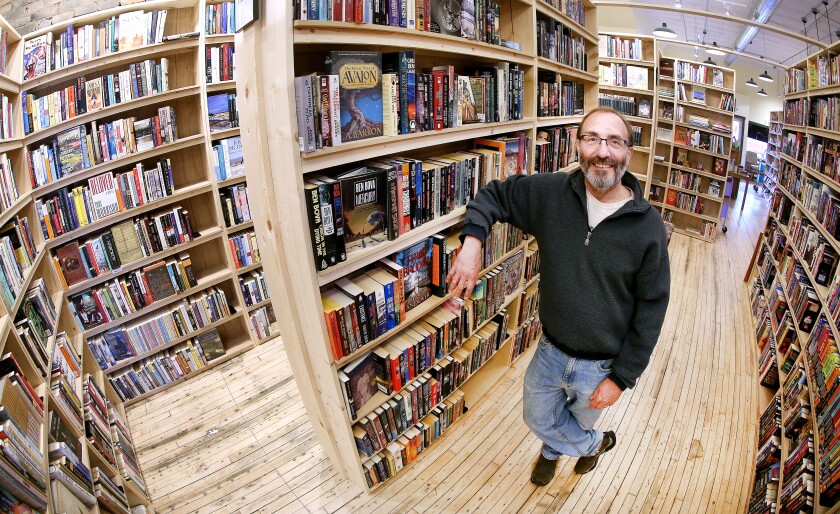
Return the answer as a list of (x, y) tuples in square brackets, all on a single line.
[(93, 94), (698, 95), (87, 310), (103, 190), (159, 281), (126, 242), (719, 166), (682, 157), (35, 56), (118, 344), (360, 91), (362, 380), (467, 110), (211, 344), (70, 263), (416, 263), (132, 30), (644, 108), (70, 155), (445, 17), (364, 207), (219, 111)]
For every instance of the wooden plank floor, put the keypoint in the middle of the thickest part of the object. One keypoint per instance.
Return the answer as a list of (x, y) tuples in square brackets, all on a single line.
[(237, 440)]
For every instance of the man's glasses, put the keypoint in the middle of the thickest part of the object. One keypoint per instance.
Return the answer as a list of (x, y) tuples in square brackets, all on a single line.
[(614, 143)]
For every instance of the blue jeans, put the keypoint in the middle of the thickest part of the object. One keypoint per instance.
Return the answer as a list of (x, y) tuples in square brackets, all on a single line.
[(557, 390)]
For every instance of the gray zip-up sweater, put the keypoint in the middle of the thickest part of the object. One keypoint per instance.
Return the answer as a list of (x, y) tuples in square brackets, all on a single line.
[(603, 292)]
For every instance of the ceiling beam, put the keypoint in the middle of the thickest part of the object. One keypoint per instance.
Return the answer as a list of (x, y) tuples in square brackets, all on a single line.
[(746, 21), (727, 50)]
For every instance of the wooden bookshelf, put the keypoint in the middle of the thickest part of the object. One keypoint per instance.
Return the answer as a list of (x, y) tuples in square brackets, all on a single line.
[(792, 217), (676, 185), (269, 129), (617, 53)]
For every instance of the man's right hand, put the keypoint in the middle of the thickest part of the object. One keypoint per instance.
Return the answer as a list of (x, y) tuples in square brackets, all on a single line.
[(464, 273)]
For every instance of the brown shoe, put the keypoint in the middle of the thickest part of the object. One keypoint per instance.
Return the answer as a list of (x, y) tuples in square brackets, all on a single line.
[(588, 463), (544, 470)]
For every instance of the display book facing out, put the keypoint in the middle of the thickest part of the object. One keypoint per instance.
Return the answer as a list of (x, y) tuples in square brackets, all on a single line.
[(693, 140), (115, 247), (303, 49), (798, 272), (627, 82)]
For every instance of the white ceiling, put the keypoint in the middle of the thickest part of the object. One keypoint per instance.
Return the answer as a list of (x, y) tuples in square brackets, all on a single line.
[(776, 47)]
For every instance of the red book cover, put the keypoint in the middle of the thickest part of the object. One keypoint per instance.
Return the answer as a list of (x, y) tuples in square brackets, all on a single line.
[(358, 11), (348, 11), (671, 198), (337, 10)]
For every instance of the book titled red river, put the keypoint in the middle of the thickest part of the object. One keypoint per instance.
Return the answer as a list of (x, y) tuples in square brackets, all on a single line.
[(360, 89)]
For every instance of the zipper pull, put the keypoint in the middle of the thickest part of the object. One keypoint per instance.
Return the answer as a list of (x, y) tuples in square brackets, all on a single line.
[(588, 234)]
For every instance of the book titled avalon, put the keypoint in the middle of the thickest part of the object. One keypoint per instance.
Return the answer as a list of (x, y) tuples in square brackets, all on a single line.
[(360, 91), (364, 199)]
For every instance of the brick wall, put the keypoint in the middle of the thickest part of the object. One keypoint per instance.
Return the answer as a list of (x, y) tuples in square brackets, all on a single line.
[(29, 15)]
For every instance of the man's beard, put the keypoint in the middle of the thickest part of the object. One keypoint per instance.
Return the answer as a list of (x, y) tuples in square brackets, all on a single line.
[(604, 182)]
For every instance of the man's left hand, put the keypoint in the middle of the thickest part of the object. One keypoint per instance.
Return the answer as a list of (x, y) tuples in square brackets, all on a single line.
[(606, 394)]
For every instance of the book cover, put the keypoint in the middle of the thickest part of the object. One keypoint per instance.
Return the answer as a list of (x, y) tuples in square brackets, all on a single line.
[(87, 310), (93, 94), (671, 197), (236, 162), (719, 166), (103, 191), (644, 108), (666, 68), (360, 90), (681, 135), (132, 30), (70, 150), (446, 17), (70, 263), (698, 95), (159, 281), (682, 157), (126, 242), (416, 262), (468, 19), (218, 110), (143, 138), (117, 342), (211, 344), (35, 57), (467, 111), (362, 380), (364, 207)]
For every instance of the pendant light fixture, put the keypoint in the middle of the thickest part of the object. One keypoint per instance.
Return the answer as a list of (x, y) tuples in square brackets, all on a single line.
[(765, 77), (716, 50), (710, 61), (664, 31), (762, 92), (752, 83)]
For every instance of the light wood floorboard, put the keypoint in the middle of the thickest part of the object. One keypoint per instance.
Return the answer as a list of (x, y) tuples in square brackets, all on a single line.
[(237, 438)]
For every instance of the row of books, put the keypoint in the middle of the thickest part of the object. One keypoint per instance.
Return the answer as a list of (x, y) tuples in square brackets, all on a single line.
[(385, 199), (126, 31), (243, 249), (817, 253), (700, 139), (9, 192), (406, 448), (141, 79), (127, 462), (803, 301), (17, 253), (222, 111), (532, 264), (798, 475), (797, 111), (262, 320), (121, 245), (132, 292), (699, 73), (220, 63), (768, 371), (822, 71), (227, 156), (623, 75), (525, 336), (6, 118), (4, 49), (234, 200), (490, 291), (403, 100), (821, 155), (557, 42), (168, 366), (627, 105), (220, 18), (478, 20), (35, 323), (618, 47), (183, 319), (358, 310), (84, 146), (764, 494), (558, 98), (109, 495), (793, 145), (66, 374), (97, 427), (555, 148), (254, 288), (796, 402), (76, 206)]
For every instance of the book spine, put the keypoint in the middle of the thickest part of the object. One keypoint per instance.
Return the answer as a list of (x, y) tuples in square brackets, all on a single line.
[(316, 228)]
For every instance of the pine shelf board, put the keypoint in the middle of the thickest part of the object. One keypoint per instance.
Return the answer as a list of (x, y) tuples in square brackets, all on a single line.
[(15, 208), (307, 32), (66, 416), (133, 493), (237, 349), (248, 268), (796, 95), (656, 203), (814, 131), (223, 134), (8, 145), (640, 177), (137, 358), (704, 107), (239, 227), (214, 277), (96, 460), (632, 62), (706, 86), (181, 143), (224, 85), (218, 39), (831, 89), (9, 86), (705, 173), (571, 168), (637, 119), (361, 258), (641, 149), (564, 69), (545, 121), (689, 213), (710, 130), (106, 61), (180, 194), (625, 90), (531, 282), (386, 145), (692, 234), (231, 181), (794, 128), (430, 304), (28, 275), (695, 193), (209, 234), (275, 332), (257, 305), (698, 150), (577, 28), (172, 94)]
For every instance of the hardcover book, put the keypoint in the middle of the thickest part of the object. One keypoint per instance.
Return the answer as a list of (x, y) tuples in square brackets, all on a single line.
[(360, 90), (211, 344), (126, 242), (87, 310), (93, 94), (446, 17), (159, 281), (143, 135), (70, 150), (364, 207), (719, 167), (132, 30), (118, 344), (236, 162), (103, 191), (218, 109), (416, 262), (70, 263), (35, 57)]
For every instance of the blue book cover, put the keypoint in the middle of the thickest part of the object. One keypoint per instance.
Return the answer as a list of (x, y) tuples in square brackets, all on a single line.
[(118, 345), (416, 262), (360, 91)]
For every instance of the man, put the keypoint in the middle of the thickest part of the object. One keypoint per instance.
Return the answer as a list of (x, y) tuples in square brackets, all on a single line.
[(604, 286)]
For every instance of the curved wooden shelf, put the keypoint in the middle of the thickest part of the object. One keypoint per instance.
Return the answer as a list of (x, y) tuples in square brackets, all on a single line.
[(577, 28), (248, 268), (9, 85), (332, 33), (546, 121), (7, 145), (710, 130), (637, 119), (625, 90), (239, 227), (231, 181), (632, 62), (698, 150), (167, 96), (683, 211), (223, 134), (705, 107), (384, 145), (564, 69), (224, 85), (705, 173), (707, 86), (74, 70), (218, 39), (20, 203), (695, 193)]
